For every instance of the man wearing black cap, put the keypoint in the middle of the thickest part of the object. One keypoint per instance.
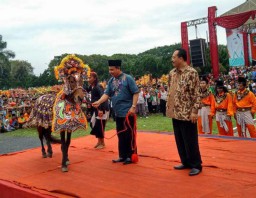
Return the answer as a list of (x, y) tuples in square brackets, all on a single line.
[(244, 109), (124, 93)]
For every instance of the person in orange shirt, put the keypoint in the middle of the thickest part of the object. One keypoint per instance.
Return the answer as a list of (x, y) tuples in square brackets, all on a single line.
[(21, 120), (223, 108), (204, 122), (244, 109), (26, 115)]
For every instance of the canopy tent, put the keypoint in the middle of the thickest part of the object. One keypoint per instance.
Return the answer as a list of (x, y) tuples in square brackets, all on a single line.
[(249, 5), (244, 7)]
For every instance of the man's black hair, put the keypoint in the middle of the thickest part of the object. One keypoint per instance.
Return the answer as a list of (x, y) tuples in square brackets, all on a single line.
[(182, 53)]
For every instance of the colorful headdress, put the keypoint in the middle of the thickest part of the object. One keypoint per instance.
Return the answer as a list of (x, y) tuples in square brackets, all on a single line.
[(71, 64)]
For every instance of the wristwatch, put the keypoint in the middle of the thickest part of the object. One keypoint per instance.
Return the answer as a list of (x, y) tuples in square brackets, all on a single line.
[(133, 106)]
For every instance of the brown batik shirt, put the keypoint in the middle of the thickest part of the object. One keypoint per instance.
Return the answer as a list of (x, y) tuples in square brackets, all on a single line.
[(183, 93)]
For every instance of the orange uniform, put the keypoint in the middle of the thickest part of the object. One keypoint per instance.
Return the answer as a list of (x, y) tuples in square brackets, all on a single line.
[(244, 108), (223, 108), (26, 116), (21, 120), (204, 122)]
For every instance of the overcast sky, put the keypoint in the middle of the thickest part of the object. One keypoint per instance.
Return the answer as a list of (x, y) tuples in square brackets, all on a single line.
[(38, 30)]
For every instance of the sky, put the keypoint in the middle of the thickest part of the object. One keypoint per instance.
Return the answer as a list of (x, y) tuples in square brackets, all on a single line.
[(38, 30)]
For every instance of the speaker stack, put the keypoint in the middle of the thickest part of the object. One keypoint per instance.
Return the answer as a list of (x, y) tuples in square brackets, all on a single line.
[(197, 51)]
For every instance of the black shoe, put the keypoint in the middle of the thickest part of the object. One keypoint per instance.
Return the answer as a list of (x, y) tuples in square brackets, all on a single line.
[(194, 171), (180, 167), (127, 161), (118, 160)]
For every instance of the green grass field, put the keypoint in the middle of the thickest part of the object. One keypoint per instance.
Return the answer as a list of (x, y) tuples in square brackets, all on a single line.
[(155, 122)]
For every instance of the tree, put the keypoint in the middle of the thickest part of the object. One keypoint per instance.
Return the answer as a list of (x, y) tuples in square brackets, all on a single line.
[(223, 60), (224, 57), (20, 72), (5, 68)]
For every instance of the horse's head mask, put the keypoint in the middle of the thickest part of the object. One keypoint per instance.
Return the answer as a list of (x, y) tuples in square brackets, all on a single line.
[(73, 72)]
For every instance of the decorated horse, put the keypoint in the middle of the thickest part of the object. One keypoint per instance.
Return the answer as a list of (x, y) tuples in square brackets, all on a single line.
[(62, 112)]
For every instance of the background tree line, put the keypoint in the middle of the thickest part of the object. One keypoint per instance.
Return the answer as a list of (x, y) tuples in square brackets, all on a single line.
[(156, 61)]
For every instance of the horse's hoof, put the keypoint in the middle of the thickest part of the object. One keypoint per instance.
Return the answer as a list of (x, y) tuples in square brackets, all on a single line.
[(49, 155), (64, 169), (67, 162), (44, 155)]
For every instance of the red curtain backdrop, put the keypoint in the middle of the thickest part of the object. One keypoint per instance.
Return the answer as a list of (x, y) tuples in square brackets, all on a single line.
[(184, 39), (213, 41), (234, 21)]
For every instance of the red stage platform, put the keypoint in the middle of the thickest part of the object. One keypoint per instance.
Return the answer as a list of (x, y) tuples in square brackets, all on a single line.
[(229, 170)]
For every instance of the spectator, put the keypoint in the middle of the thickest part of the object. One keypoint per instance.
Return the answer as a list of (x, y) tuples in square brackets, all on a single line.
[(21, 120), (141, 103)]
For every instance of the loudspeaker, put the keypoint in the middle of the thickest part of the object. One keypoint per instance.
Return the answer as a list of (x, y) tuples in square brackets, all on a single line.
[(197, 51)]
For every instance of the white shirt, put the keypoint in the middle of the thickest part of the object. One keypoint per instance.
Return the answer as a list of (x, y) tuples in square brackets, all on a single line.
[(163, 95)]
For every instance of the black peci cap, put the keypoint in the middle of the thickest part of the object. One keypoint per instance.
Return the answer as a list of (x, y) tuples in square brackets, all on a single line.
[(241, 80), (219, 83), (204, 78), (116, 63)]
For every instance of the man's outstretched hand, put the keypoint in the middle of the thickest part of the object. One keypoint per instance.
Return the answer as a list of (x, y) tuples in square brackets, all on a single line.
[(96, 104)]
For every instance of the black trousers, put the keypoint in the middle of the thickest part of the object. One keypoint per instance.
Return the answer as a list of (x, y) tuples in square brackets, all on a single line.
[(125, 138), (99, 128), (150, 110), (163, 107), (186, 137)]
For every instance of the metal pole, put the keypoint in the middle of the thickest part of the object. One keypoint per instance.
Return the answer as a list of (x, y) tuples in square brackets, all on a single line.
[(196, 31)]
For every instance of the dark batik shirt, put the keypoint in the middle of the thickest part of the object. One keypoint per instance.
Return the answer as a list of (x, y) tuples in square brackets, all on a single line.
[(183, 93)]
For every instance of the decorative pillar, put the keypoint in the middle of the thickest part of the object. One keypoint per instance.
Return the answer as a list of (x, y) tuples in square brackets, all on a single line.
[(213, 41), (184, 39), (246, 52)]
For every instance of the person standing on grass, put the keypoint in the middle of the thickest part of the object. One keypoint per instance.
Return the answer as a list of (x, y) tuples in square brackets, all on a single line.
[(204, 118), (163, 96), (182, 105), (244, 108), (124, 95), (141, 103)]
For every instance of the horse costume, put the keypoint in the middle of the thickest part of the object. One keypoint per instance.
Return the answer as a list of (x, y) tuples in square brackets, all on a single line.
[(62, 112)]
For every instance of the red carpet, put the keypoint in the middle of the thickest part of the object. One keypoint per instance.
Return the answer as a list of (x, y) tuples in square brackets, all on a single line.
[(229, 170)]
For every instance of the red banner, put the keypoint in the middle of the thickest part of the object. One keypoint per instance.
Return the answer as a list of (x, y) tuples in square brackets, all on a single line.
[(184, 39), (213, 41), (253, 46)]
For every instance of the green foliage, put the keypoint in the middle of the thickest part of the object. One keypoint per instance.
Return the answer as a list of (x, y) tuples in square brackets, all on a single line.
[(156, 61), (223, 60), (5, 68), (224, 57), (20, 72)]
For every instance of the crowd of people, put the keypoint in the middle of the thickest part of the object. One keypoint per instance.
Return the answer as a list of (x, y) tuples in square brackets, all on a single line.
[(14, 110), (230, 80)]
